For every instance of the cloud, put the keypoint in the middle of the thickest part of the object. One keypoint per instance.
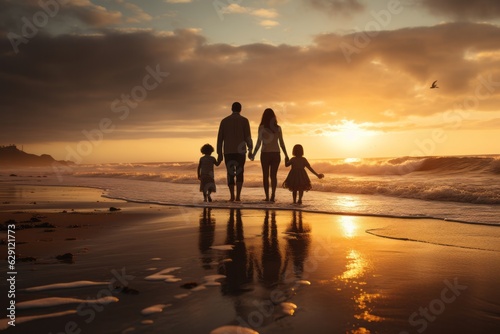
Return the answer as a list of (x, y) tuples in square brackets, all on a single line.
[(178, 1), (337, 7), (464, 9), (264, 15), (57, 87), (269, 23), (53, 16), (138, 14)]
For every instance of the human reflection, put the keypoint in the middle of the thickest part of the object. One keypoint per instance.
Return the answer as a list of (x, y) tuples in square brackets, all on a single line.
[(239, 270), (298, 243), (268, 271), (206, 237)]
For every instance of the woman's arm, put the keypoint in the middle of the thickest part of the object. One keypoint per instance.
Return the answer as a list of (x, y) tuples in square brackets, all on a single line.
[(259, 142), (282, 143)]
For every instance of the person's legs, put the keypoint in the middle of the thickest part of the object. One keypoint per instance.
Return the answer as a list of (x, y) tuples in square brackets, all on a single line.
[(235, 164), (264, 161), (274, 165), (294, 196), (230, 168), (301, 193)]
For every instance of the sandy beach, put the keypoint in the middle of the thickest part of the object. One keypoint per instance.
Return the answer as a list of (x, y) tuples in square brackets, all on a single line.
[(83, 268)]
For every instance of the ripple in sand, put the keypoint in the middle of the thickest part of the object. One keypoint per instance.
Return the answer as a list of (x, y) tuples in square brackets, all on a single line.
[(182, 295), (288, 308), (211, 280), (172, 279), (199, 288), (162, 275), (155, 259), (223, 247), (69, 285), (55, 301), (154, 309), (19, 320), (233, 330), (303, 282), (147, 322)]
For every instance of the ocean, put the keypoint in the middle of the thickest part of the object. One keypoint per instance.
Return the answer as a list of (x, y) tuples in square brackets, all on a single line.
[(452, 188)]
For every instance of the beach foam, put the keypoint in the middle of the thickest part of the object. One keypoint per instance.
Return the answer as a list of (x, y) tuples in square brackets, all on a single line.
[(233, 330), (68, 285), (56, 301), (162, 275), (158, 308), (19, 320)]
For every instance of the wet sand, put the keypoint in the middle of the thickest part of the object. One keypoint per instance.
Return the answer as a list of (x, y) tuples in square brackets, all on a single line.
[(158, 269)]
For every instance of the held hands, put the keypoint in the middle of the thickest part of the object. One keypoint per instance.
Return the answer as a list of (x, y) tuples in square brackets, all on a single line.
[(251, 156), (320, 176), (219, 158)]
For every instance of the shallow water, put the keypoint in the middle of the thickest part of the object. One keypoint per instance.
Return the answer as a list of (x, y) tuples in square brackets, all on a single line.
[(359, 282)]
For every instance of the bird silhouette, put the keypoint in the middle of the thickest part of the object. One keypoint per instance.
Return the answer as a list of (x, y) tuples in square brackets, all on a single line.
[(434, 85)]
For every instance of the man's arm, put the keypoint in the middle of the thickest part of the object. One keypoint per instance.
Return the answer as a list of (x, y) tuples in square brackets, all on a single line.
[(248, 138), (220, 141)]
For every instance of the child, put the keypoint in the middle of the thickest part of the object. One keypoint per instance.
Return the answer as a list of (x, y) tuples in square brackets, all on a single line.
[(297, 179), (206, 172)]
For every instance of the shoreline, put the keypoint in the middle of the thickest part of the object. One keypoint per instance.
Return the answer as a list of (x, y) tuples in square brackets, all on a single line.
[(273, 262)]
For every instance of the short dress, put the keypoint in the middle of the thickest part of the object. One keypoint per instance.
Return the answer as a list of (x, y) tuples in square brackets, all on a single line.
[(207, 182), (297, 178)]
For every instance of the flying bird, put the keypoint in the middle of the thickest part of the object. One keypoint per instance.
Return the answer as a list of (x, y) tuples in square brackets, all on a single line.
[(434, 85)]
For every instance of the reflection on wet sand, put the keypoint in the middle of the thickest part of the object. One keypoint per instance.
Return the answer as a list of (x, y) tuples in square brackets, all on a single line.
[(354, 280), (261, 274), (238, 271), (298, 243), (269, 269), (206, 237)]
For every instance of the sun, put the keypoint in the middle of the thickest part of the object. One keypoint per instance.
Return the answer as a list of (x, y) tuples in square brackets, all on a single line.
[(351, 136)]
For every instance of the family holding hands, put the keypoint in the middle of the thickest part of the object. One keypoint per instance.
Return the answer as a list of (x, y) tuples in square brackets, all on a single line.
[(234, 139)]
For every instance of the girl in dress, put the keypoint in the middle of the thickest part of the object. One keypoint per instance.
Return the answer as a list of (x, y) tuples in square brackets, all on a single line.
[(206, 172), (297, 179)]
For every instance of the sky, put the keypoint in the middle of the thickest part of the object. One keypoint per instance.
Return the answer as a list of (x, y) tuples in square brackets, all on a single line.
[(97, 81)]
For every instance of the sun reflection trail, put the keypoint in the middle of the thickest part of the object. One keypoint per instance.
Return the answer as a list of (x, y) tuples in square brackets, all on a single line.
[(354, 279), (346, 201), (349, 226)]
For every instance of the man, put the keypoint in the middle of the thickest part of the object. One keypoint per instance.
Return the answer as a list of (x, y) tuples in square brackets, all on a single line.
[(233, 140)]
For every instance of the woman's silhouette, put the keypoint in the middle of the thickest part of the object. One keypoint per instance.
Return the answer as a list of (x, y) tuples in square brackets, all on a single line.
[(271, 139), (269, 273)]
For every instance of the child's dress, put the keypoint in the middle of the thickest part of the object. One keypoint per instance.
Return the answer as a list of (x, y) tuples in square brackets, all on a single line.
[(207, 182), (297, 178)]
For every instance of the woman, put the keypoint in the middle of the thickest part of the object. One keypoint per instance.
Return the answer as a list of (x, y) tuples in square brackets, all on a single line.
[(271, 139)]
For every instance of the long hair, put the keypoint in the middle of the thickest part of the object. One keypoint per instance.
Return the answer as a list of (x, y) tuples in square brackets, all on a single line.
[(269, 120)]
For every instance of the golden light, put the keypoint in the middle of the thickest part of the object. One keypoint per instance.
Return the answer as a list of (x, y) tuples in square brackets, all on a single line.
[(349, 226), (351, 160), (351, 136)]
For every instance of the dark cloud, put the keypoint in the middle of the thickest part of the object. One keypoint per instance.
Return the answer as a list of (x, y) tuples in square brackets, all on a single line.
[(464, 9), (58, 86), (55, 16), (337, 7)]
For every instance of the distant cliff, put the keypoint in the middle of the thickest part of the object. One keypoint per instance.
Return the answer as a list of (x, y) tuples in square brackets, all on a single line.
[(11, 156)]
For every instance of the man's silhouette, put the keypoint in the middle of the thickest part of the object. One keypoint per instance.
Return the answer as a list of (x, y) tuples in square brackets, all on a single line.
[(233, 140)]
